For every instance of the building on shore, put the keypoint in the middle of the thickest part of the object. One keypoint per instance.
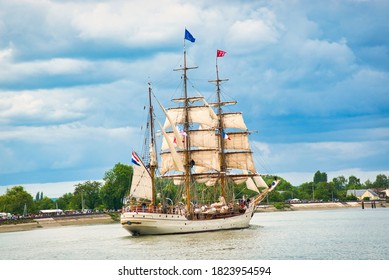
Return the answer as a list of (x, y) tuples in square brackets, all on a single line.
[(363, 194)]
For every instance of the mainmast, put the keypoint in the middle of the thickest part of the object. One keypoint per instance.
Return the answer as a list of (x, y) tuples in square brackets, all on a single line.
[(187, 164), (153, 155)]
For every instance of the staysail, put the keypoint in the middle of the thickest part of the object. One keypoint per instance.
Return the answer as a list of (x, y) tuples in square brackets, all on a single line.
[(141, 185)]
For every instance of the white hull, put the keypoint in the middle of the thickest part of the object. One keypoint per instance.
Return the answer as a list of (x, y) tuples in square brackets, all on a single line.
[(144, 223)]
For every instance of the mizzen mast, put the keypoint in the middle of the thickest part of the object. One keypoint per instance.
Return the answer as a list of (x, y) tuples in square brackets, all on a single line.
[(152, 151)]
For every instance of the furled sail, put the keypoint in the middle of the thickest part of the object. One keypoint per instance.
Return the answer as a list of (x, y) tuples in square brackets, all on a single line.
[(153, 155)]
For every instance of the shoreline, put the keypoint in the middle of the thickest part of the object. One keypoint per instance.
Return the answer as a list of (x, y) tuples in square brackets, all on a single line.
[(320, 206), (58, 221)]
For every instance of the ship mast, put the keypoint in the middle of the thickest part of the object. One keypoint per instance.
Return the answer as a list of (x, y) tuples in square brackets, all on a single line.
[(187, 164), (153, 160), (223, 166)]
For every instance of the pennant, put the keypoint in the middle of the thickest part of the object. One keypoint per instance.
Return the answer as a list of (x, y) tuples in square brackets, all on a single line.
[(226, 137), (135, 159), (189, 36), (220, 53)]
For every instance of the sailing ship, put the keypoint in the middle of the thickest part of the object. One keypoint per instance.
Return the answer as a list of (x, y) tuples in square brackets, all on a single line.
[(205, 154)]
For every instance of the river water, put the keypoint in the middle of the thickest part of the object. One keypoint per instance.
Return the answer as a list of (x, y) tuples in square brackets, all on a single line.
[(341, 234)]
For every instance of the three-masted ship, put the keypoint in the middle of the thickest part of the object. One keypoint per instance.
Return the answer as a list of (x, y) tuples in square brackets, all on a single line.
[(205, 153)]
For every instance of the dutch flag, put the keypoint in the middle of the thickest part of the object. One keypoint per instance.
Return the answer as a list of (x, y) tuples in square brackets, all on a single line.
[(135, 159)]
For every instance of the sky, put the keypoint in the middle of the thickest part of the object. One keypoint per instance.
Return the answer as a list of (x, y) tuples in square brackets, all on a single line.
[(312, 78)]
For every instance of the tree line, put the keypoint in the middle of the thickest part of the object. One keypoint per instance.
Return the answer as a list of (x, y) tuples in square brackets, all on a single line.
[(96, 195), (93, 195), (320, 189)]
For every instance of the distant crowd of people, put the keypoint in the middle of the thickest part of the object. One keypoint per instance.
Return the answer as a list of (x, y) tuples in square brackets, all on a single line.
[(8, 217)]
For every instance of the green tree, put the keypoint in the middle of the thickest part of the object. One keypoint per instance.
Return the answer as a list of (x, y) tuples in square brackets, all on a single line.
[(116, 186), (354, 183), (45, 203), (323, 191), (368, 184), (320, 177), (340, 182), (64, 202), (381, 181), (15, 199), (87, 193), (305, 191), (275, 196)]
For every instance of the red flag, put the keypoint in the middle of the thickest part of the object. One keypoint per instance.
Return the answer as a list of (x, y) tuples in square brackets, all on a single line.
[(220, 53)]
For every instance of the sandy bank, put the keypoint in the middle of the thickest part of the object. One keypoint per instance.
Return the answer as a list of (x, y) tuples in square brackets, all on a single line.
[(323, 205), (58, 221), (319, 206)]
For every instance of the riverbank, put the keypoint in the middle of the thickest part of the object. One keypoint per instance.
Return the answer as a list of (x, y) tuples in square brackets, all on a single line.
[(58, 221), (320, 206)]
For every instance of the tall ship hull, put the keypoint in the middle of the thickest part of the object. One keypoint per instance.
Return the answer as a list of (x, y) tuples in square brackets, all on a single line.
[(204, 178), (146, 223)]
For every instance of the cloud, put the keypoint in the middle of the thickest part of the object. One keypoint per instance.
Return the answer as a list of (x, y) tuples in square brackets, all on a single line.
[(40, 108), (325, 156), (252, 34), (64, 147), (121, 22)]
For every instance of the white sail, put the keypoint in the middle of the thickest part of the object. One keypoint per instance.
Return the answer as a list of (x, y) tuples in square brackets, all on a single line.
[(141, 186), (177, 140), (205, 159), (197, 114), (208, 159), (211, 112), (239, 180), (259, 181), (233, 120), (240, 160), (237, 141), (206, 139), (168, 163), (176, 162), (251, 185)]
